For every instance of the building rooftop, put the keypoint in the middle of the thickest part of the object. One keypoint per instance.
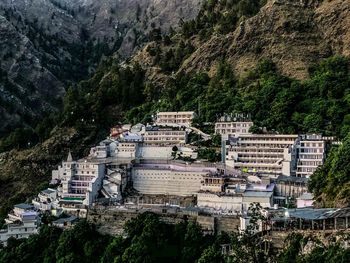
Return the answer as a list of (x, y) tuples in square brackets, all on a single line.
[(174, 112), (24, 206), (65, 220), (293, 179), (48, 191), (164, 128), (257, 194), (310, 213), (306, 196)]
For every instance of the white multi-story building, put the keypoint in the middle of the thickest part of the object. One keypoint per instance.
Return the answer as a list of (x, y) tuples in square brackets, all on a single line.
[(79, 180), (235, 199), (181, 118), (127, 149), (229, 124), (46, 200), (267, 153), (311, 154), (22, 222), (169, 179), (165, 135)]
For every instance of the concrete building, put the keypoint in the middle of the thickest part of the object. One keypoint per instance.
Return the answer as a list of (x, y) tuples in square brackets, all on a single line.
[(165, 152), (311, 154), (114, 184), (127, 149), (289, 188), (233, 124), (22, 222), (46, 200), (170, 179), (266, 153), (165, 135), (305, 200), (235, 199), (66, 222), (79, 180), (180, 118)]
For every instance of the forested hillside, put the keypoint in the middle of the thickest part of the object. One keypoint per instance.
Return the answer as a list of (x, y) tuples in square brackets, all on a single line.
[(160, 77), (150, 240), (47, 45)]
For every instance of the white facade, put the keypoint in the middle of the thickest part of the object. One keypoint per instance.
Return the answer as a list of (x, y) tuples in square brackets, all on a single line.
[(127, 149), (261, 153), (181, 118), (305, 200), (233, 124), (171, 179), (79, 180), (100, 151), (46, 200), (21, 223), (230, 203), (155, 135), (234, 203), (234, 127), (114, 184), (311, 154)]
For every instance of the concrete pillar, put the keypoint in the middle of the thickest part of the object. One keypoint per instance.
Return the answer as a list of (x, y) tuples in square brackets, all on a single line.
[(346, 222), (312, 224), (335, 223), (324, 224)]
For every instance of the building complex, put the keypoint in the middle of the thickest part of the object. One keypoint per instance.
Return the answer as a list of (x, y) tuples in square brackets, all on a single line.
[(181, 118), (21, 222), (155, 160)]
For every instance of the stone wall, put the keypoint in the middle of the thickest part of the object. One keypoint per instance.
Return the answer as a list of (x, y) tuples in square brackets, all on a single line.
[(112, 221)]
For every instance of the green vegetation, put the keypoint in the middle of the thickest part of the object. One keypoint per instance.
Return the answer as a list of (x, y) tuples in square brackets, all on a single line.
[(331, 182), (320, 253), (220, 17), (215, 17), (148, 239), (115, 93)]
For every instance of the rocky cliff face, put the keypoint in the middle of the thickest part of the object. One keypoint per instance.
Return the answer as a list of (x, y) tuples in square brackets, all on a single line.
[(46, 44), (27, 88), (294, 34)]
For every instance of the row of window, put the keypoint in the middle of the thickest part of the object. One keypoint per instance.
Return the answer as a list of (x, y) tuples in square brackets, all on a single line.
[(311, 150), (154, 133), (228, 131), (309, 144), (232, 124), (165, 178)]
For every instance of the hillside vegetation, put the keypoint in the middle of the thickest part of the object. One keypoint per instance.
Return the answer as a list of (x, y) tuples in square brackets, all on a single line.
[(158, 78), (46, 45), (150, 240)]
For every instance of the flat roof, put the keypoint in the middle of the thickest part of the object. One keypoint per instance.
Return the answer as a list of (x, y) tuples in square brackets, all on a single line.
[(306, 196), (285, 178), (174, 112), (311, 213), (48, 191), (65, 220), (257, 194), (24, 206)]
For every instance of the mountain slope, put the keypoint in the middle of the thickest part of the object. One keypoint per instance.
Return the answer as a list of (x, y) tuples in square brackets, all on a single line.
[(49, 44), (27, 88), (191, 69), (293, 34)]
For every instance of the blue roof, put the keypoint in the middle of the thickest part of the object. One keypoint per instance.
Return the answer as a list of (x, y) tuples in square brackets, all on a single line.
[(24, 206)]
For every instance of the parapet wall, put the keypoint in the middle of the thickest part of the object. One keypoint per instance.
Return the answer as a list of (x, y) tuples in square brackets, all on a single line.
[(112, 221)]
